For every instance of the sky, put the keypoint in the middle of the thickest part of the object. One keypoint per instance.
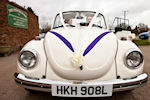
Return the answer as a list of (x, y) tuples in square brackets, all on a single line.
[(138, 11)]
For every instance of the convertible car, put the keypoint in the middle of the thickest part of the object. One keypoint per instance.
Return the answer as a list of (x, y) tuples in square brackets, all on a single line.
[(80, 57)]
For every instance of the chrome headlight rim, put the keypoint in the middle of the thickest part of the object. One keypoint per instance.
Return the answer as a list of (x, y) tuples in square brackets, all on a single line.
[(131, 51), (34, 52)]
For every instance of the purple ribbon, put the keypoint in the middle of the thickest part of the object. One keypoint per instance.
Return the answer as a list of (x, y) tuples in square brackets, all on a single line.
[(64, 40), (89, 48)]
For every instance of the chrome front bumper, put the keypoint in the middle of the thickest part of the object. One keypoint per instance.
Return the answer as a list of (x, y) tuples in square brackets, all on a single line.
[(45, 84)]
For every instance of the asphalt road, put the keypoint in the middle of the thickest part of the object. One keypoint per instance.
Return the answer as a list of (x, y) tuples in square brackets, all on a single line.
[(10, 91)]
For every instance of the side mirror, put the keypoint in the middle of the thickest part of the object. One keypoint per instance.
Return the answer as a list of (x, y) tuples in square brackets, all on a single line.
[(118, 29)]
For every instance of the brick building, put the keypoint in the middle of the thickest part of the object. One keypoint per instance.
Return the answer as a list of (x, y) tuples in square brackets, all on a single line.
[(17, 26)]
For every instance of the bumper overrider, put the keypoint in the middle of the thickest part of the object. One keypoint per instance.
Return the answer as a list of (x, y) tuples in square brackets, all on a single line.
[(46, 85)]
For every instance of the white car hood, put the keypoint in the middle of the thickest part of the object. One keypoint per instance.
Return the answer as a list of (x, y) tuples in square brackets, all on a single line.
[(92, 48)]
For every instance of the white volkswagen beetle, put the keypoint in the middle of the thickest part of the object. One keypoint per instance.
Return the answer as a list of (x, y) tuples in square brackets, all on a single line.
[(80, 57)]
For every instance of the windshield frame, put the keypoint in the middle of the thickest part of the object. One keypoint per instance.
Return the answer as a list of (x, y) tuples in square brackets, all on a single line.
[(90, 24)]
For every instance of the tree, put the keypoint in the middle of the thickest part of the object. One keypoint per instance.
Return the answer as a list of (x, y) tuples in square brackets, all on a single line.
[(45, 28), (135, 30)]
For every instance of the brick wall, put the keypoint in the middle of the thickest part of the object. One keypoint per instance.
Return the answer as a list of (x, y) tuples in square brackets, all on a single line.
[(15, 37)]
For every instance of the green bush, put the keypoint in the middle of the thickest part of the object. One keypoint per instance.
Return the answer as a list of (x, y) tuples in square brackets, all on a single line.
[(141, 42)]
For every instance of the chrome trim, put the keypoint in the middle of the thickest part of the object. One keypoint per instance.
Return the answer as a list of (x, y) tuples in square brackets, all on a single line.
[(127, 53), (45, 84), (34, 52)]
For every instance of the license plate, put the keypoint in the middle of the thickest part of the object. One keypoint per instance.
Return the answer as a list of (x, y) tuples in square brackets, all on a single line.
[(83, 90)]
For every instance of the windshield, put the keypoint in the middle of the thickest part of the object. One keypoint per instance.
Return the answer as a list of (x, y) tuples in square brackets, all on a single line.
[(80, 18)]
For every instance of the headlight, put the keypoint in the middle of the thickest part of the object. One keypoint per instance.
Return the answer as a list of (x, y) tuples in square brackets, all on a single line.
[(133, 59), (28, 58)]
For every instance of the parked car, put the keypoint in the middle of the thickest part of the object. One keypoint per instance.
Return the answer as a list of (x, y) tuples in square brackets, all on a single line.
[(125, 35), (40, 36), (80, 57), (122, 29), (144, 35)]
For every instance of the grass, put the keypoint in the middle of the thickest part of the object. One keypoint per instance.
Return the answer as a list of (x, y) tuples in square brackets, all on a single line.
[(141, 42)]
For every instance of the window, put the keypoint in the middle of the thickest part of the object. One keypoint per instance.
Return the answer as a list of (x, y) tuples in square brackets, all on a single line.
[(57, 22), (77, 18), (99, 21)]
